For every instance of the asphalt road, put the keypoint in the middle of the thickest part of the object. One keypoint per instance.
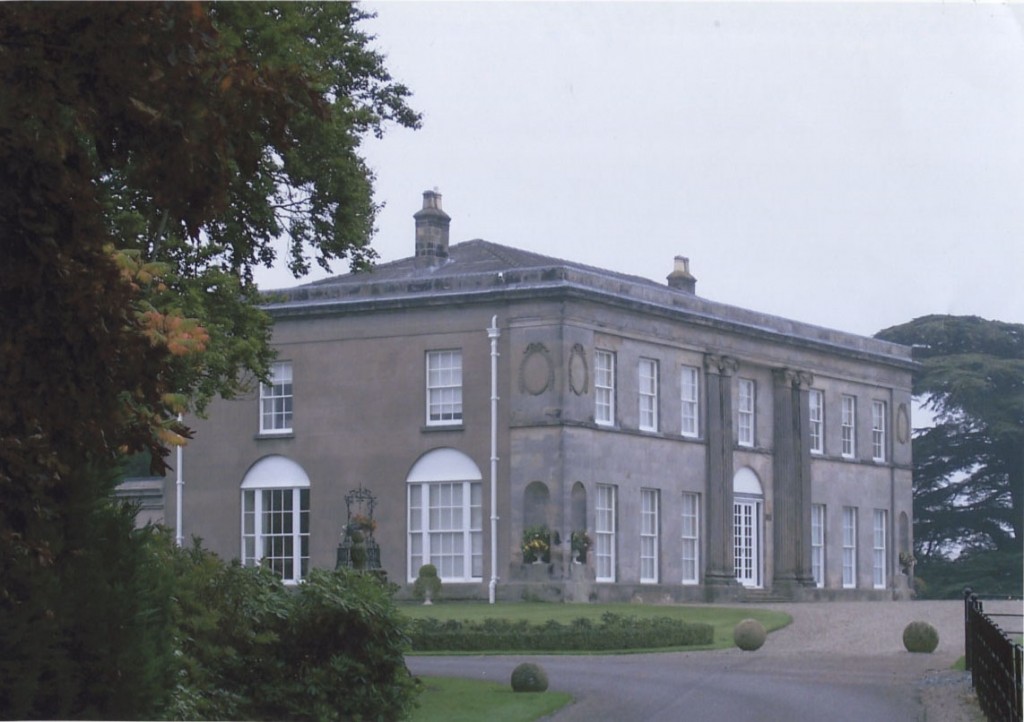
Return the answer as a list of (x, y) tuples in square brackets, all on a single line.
[(838, 661), (708, 685)]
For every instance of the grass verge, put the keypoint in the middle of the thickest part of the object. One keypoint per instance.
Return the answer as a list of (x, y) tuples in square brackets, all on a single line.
[(446, 699), (723, 619)]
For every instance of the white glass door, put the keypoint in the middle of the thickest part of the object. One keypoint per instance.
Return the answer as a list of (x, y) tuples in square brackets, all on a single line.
[(747, 541)]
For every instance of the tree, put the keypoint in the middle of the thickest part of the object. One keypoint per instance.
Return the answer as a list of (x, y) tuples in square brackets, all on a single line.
[(969, 466), (150, 154)]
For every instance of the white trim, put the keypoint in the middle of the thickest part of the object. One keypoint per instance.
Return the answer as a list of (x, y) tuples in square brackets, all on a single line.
[(818, 515), (650, 535), (444, 464), (443, 396), (689, 412), (849, 547), (848, 428), (604, 388), (746, 412), (275, 472), (879, 550), (816, 408), (691, 537), (279, 391), (879, 427), (604, 533), (647, 394)]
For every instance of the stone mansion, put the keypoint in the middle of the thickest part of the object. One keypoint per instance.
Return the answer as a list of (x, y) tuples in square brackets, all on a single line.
[(538, 428)]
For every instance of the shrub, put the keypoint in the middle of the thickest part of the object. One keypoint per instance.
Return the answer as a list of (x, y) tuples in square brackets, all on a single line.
[(613, 632), (251, 648), (749, 635), (426, 582), (529, 677), (920, 637)]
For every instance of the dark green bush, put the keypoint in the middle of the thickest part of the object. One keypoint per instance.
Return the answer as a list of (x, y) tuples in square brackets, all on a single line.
[(251, 648), (749, 635), (613, 632), (426, 582), (920, 637), (529, 677), (85, 625)]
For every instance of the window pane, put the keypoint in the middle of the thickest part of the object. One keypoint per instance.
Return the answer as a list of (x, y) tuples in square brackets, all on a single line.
[(444, 386)]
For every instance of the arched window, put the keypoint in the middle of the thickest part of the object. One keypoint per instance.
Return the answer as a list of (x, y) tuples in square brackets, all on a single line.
[(446, 516), (275, 517)]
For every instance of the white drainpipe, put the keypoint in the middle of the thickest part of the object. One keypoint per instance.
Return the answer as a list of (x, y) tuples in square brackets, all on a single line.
[(180, 485), (493, 333)]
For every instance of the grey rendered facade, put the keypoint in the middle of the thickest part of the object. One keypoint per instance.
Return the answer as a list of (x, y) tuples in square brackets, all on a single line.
[(708, 451)]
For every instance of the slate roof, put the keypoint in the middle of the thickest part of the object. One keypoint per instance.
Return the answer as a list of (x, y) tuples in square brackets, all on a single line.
[(479, 270), (469, 257)]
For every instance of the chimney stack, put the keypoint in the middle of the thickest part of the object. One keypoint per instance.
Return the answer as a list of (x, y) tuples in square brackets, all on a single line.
[(680, 279), (431, 231)]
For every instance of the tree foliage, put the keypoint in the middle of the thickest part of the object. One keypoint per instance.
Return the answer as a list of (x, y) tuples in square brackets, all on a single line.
[(969, 466), (151, 155)]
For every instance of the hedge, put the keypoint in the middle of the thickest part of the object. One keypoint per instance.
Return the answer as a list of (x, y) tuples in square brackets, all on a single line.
[(614, 631)]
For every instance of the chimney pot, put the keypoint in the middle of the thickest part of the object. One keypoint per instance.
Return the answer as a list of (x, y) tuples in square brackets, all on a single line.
[(431, 231), (681, 279)]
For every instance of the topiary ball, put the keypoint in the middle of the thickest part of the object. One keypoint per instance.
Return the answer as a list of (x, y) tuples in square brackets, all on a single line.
[(529, 677), (920, 637), (749, 635)]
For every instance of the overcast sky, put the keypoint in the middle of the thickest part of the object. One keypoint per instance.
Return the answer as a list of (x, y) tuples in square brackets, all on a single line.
[(849, 165)]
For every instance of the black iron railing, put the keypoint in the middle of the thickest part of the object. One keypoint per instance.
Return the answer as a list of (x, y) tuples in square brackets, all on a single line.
[(994, 660)]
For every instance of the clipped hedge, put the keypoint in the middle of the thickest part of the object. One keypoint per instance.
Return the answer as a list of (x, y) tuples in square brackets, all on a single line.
[(614, 631), (920, 638), (529, 677)]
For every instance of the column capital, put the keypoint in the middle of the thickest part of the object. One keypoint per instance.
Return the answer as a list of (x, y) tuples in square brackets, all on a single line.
[(792, 377), (723, 365)]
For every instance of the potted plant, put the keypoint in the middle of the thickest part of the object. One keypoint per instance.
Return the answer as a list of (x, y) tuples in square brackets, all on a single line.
[(362, 524), (579, 540), (536, 546)]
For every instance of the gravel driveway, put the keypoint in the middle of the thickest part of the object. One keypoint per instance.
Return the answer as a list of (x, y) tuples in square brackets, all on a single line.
[(845, 657)]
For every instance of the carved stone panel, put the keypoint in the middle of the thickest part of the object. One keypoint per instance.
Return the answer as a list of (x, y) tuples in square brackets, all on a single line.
[(537, 370), (579, 372), (903, 424)]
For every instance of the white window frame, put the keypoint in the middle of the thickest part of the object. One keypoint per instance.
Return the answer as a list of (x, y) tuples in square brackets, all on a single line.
[(849, 426), (650, 502), (284, 550), (689, 385), (878, 430), (879, 550), (816, 402), (647, 379), (604, 533), (604, 387), (444, 387), (277, 400), (691, 538), (818, 544), (849, 547), (445, 528), (746, 409)]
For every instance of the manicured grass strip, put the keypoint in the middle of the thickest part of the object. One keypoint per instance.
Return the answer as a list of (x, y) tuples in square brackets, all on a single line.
[(446, 699), (723, 619)]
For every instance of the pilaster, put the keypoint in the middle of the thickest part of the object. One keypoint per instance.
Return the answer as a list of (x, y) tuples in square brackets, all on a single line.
[(792, 479), (719, 570)]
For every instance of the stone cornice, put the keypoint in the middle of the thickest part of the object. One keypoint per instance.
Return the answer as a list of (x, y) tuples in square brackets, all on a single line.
[(564, 284)]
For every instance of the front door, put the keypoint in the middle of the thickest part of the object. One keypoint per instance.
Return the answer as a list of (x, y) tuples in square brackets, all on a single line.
[(747, 541)]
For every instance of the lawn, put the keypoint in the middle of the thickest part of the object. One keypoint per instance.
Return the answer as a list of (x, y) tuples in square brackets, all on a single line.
[(723, 619), (445, 699)]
